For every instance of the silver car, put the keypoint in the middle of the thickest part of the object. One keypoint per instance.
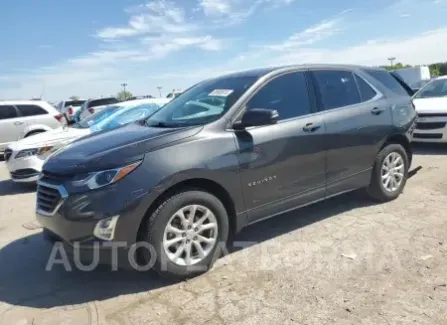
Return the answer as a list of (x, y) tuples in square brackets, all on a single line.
[(23, 118)]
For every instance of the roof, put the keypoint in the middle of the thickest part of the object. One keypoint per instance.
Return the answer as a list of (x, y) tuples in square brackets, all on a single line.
[(263, 71), (21, 102)]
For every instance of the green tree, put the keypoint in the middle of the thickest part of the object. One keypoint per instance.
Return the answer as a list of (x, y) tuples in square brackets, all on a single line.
[(435, 70), (123, 95), (74, 98)]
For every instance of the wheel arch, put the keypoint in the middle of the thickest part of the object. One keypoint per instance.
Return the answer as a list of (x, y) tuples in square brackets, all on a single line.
[(204, 184), (403, 141)]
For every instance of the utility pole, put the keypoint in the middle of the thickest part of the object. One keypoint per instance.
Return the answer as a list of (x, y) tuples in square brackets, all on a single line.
[(159, 89), (391, 61)]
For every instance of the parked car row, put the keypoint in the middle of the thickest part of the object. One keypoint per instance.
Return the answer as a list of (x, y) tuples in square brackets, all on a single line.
[(25, 158), (228, 152)]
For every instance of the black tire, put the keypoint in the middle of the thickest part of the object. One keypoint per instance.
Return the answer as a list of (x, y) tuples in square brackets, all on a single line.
[(376, 189), (153, 232)]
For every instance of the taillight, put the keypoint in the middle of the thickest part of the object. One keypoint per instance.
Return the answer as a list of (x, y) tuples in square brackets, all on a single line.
[(59, 117), (91, 110), (70, 111)]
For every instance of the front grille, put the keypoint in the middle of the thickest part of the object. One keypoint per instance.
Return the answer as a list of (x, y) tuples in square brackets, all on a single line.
[(7, 154), (430, 125), (24, 173), (49, 198), (427, 135)]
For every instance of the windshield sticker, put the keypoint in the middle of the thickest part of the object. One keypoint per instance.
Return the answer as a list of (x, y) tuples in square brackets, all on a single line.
[(221, 92)]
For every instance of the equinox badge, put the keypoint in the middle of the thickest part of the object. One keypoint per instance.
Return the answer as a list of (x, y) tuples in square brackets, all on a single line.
[(262, 181)]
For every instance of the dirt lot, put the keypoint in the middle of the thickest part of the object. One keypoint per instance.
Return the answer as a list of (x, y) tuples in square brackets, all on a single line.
[(345, 261)]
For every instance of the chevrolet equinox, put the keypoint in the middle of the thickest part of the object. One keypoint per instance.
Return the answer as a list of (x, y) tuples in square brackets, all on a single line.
[(228, 152)]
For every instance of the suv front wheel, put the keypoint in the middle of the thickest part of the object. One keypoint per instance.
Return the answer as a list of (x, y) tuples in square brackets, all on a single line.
[(188, 232), (389, 174)]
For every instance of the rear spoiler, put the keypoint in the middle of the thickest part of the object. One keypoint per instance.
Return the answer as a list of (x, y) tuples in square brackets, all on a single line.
[(402, 82)]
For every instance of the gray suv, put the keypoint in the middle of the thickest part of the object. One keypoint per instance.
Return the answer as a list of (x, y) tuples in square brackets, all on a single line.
[(228, 152)]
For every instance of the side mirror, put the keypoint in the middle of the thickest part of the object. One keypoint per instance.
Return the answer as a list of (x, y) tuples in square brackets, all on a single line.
[(257, 117)]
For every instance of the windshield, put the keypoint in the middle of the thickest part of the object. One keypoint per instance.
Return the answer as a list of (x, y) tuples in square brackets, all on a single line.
[(204, 103), (435, 88), (97, 117), (125, 116)]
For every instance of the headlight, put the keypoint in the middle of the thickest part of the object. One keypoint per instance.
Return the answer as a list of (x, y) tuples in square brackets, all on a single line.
[(32, 152), (99, 179)]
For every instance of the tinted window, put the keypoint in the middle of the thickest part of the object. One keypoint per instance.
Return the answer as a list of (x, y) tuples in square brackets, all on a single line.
[(31, 110), (386, 79), (102, 102), (366, 92), (287, 94), (337, 88), (74, 103), (7, 111)]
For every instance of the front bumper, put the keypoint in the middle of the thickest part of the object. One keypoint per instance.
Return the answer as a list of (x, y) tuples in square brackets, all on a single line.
[(431, 129), (73, 217), (24, 170)]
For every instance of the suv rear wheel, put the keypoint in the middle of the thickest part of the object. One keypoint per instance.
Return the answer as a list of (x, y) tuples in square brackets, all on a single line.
[(187, 232), (389, 174)]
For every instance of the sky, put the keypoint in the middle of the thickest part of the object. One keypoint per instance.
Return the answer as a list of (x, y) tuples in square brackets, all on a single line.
[(60, 48)]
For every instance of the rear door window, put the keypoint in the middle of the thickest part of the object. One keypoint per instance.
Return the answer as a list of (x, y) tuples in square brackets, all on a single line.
[(31, 110), (366, 92), (7, 112), (337, 88)]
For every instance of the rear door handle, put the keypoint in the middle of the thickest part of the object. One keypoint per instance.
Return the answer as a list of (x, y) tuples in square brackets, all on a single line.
[(18, 123), (311, 127), (377, 110)]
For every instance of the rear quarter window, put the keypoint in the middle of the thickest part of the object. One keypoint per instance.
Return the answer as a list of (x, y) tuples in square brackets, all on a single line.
[(31, 110), (388, 81)]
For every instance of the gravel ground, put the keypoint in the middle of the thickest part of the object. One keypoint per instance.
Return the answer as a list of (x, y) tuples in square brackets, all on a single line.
[(344, 261)]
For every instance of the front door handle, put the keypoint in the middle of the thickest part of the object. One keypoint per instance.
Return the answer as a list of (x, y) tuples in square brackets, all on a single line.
[(18, 123), (311, 127), (377, 110)]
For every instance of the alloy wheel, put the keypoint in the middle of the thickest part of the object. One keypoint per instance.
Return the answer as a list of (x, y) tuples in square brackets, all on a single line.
[(190, 235), (392, 171)]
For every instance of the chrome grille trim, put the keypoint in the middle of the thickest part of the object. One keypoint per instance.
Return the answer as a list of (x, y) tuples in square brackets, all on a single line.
[(49, 198)]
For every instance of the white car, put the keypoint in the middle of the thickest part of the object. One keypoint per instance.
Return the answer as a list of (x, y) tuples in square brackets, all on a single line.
[(23, 118), (431, 105), (25, 158), (93, 106), (68, 108)]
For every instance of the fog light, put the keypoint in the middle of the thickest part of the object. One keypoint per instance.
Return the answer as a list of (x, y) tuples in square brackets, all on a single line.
[(105, 229)]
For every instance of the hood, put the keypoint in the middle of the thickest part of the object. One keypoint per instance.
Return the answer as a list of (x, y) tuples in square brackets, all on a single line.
[(113, 148), (49, 138), (431, 105)]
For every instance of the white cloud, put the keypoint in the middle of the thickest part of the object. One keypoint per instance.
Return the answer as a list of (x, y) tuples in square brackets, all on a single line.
[(216, 7), (133, 53), (310, 35), (424, 48), (156, 17)]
